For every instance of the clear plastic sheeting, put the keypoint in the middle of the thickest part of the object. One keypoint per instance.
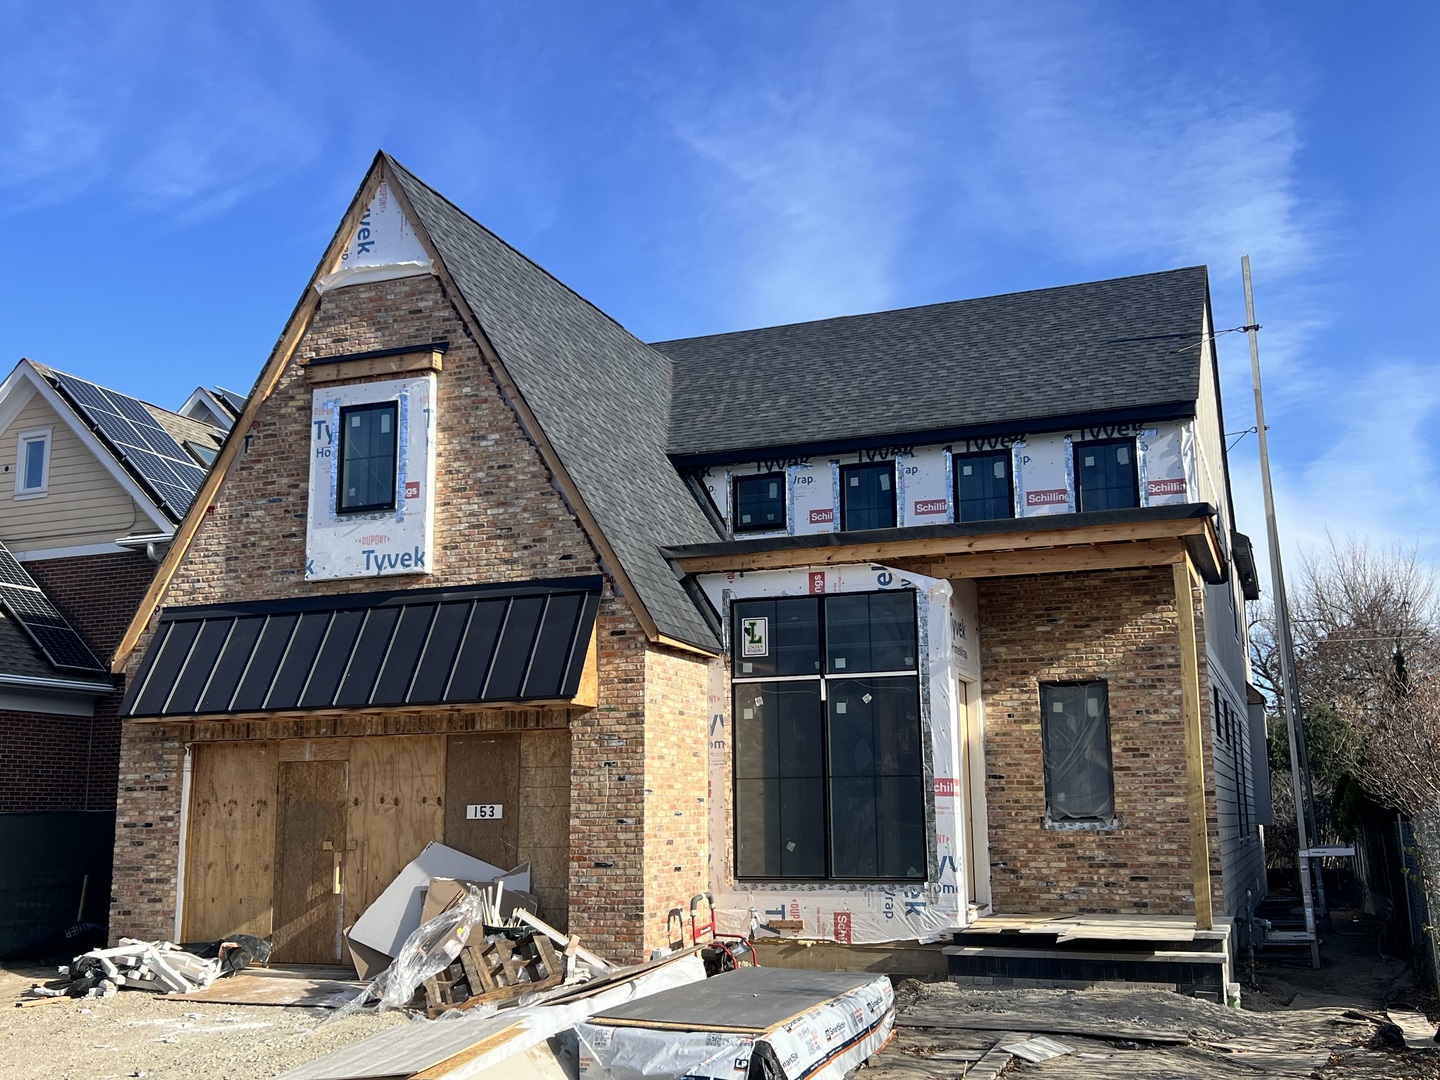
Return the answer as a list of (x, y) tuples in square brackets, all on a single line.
[(429, 950), (824, 1042)]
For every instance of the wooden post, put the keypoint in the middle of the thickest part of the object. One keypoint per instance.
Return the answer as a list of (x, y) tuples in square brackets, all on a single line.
[(1193, 717)]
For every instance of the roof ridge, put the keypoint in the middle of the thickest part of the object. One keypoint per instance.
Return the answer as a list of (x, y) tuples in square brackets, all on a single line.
[(914, 308), (501, 240)]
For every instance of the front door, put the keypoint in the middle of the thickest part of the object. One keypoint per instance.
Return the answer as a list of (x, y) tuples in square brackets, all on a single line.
[(309, 871)]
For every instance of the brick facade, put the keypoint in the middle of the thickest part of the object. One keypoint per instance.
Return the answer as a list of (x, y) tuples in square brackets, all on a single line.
[(97, 593), (54, 763), (499, 517), (1120, 626)]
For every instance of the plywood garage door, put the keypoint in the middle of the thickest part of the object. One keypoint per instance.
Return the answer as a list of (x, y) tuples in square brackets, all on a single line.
[(309, 848), (484, 770), (397, 796), (230, 850)]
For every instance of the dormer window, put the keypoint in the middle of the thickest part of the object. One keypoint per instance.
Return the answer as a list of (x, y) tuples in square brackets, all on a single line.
[(367, 457), (867, 496), (1105, 475), (32, 465), (759, 503)]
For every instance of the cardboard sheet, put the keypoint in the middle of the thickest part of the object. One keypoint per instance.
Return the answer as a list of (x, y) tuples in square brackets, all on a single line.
[(396, 912)]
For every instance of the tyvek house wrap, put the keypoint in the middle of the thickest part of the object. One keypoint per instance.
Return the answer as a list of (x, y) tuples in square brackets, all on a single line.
[(858, 913)]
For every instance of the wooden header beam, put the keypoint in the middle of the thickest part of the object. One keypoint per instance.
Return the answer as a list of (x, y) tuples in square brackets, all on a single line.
[(964, 546), (1056, 560)]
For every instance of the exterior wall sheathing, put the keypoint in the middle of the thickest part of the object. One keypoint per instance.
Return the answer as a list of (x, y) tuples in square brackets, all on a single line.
[(1120, 626), (499, 518)]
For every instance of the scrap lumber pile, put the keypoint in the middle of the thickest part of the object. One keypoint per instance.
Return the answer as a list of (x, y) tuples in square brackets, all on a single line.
[(149, 965)]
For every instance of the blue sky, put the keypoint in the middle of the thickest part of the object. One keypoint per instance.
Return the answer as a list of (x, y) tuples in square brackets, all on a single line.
[(169, 177)]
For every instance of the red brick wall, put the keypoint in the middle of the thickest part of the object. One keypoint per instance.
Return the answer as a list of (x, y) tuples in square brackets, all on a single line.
[(1121, 626), (97, 593), (499, 517), (48, 762), (52, 763)]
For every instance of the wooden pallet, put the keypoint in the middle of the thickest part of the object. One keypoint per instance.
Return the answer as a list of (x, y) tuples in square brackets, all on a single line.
[(495, 971)]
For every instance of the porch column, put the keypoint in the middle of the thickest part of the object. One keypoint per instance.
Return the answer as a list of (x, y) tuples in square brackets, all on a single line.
[(1194, 745)]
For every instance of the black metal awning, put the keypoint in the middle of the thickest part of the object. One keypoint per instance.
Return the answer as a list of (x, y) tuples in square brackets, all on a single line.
[(478, 644)]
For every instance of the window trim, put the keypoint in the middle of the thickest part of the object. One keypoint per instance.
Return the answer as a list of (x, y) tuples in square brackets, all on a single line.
[(346, 411), (735, 527), (958, 459), (23, 440), (1050, 821), (846, 470), (1134, 462), (824, 677)]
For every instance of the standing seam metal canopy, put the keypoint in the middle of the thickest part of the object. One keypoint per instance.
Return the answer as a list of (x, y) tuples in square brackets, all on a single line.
[(445, 646)]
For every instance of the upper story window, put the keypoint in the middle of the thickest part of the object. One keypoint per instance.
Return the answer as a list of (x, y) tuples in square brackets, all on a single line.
[(759, 503), (1075, 736), (32, 464), (206, 455), (828, 765), (1105, 475), (983, 487), (867, 496), (367, 457)]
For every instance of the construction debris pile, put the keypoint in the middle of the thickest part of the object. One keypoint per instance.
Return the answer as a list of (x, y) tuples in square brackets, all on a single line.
[(154, 965)]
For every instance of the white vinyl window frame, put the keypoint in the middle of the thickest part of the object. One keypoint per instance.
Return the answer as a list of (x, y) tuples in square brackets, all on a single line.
[(25, 441)]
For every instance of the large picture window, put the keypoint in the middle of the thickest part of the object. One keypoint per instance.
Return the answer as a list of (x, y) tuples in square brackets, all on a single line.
[(828, 763), (367, 457), (1105, 475), (983, 488), (1075, 733)]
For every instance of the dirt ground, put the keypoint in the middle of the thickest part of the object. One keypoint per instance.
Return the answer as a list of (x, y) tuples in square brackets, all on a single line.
[(1295, 1010), (142, 1033)]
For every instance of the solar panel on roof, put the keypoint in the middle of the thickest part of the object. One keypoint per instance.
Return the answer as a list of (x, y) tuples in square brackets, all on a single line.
[(24, 602), (233, 401), (137, 438)]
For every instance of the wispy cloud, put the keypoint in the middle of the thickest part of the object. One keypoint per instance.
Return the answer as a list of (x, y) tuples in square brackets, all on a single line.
[(173, 110)]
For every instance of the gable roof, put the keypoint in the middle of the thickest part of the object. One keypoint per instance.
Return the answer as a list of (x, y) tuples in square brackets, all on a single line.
[(157, 471), (574, 364), (1129, 343)]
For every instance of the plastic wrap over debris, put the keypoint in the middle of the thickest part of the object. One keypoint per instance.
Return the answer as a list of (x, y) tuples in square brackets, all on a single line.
[(822, 1043), (429, 950)]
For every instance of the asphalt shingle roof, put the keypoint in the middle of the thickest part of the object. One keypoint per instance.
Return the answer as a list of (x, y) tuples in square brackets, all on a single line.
[(21, 656), (574, 364), (1125, 343)]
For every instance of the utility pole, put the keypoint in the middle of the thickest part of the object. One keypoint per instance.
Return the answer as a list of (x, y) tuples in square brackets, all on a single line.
[(1284, 643)]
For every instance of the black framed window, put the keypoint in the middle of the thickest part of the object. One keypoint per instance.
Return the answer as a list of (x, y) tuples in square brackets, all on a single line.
[(759, 504), (1075, 734), (368, 442), (828, 760), (1106, 477), (984, 489), (867, 496)]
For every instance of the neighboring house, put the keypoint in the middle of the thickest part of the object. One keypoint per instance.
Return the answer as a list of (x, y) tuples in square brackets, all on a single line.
[(874, 625), (216, 407), (83, 510)]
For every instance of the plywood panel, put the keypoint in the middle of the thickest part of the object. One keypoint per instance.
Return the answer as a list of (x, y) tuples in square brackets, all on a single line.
[(484, 769), (397, 786), (309, 844), (230, 852), (545, 820)]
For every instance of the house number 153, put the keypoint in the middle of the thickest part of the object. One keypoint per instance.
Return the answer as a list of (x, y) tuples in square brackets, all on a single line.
[(485, 811)]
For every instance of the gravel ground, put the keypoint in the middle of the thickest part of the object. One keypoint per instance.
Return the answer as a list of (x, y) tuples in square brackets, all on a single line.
[(142, 1033)]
